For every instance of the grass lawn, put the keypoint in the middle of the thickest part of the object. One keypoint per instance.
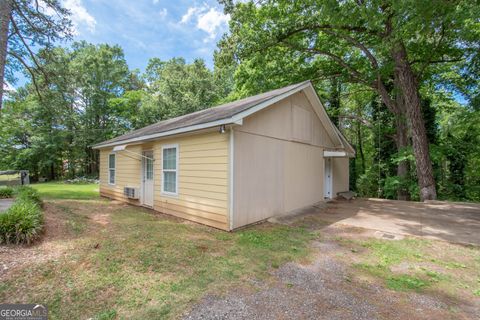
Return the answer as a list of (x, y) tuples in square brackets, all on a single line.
[(106, 260), (60, 190)]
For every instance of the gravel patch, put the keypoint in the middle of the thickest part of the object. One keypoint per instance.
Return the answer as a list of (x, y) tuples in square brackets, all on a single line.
[(321, 290)]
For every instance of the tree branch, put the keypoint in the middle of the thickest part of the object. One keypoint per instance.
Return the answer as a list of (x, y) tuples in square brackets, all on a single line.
[(32, 55), (354, 73), (29, 69)]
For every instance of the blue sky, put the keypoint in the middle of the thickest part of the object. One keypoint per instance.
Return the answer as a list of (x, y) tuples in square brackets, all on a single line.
[(151, 28)]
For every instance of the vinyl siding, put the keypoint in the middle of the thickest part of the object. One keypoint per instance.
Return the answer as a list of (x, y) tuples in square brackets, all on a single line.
[(203, 188), (127, 174), (278, 160)]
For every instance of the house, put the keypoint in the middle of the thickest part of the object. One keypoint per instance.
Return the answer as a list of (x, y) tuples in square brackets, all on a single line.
[(231, 165)]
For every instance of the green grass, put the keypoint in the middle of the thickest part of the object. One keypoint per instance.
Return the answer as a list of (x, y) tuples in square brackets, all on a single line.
[(141, 266), (60, 190), (381, 259)]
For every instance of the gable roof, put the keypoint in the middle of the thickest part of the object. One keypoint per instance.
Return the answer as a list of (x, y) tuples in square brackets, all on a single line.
[(228, 113)]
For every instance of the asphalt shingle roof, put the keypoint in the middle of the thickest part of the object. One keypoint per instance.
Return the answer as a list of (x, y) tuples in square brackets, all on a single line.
[(221, 112)]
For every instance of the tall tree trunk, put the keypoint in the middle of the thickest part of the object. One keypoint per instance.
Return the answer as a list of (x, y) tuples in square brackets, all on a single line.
[(360, 145), (409, 90), (401, 139), (5, 12)]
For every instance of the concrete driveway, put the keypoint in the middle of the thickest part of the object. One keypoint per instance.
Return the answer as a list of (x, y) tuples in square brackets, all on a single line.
[(5, 204), (448, 221)]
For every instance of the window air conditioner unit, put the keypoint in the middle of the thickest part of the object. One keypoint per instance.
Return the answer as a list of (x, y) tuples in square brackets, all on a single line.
[(131, 192)]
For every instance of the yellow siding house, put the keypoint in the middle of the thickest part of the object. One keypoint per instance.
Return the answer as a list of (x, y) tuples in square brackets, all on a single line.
[(231, 165)]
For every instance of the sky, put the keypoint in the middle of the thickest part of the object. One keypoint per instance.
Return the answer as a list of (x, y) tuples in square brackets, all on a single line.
[(151, 28)]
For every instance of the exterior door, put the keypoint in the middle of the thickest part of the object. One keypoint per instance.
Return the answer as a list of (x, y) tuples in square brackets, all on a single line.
[(328, 185), (147, 178)]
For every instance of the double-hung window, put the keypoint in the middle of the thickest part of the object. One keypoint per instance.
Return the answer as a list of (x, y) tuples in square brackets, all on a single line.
[(111, 168), (170, 169)]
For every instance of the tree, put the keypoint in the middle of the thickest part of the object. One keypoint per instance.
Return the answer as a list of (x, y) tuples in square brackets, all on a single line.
[(388, 44), (175, 88), (26, 26)]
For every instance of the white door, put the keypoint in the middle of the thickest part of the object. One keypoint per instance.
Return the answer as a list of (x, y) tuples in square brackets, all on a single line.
[(327, 186), (147, 178)]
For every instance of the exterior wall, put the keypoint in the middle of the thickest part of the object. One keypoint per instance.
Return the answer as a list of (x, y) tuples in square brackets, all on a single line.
[(341, 175), (202, 177), (278, 161), (127, 173)]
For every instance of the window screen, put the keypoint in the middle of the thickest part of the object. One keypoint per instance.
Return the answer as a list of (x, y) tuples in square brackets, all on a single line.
[(170, 174), (111, 169)]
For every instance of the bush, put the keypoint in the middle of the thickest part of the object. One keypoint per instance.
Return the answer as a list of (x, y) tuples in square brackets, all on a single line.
[(6, 192), (23, 221), (28, 193)]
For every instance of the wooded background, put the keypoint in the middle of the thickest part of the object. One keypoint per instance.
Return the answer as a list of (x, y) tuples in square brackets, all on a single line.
[(399, 78)]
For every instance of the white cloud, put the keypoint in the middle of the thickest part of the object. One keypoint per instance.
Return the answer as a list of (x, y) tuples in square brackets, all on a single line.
[(80, 16), (190, 12), (155, 1), (210, 20), (163, 13)]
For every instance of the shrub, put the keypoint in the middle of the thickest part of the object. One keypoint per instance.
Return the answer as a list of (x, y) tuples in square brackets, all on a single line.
[(23, 221), (6, 192), (28, 193)]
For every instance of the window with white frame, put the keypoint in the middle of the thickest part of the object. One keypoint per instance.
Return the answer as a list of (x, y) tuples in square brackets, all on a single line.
[(111, 168), (170, 169)]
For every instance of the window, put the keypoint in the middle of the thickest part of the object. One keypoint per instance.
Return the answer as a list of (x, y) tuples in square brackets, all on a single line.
[(170, 169), (111, 168)]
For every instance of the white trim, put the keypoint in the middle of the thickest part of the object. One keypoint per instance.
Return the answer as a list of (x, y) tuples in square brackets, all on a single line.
[(114, 169), (168, 193), (323, 115), (231, 175), (334, 154), (168, 133), (236, 119), (267, 103)]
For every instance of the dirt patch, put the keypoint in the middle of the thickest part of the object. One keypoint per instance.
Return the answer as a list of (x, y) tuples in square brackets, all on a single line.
[(328, 288), (57, 235)]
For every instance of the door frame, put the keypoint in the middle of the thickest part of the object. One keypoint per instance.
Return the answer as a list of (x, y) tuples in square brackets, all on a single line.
[(142, 179), (328, 184)]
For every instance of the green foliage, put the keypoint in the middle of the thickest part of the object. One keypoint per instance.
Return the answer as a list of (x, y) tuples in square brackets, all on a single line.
[(23, 221), (6, 192), (28, 193), (405, 282)]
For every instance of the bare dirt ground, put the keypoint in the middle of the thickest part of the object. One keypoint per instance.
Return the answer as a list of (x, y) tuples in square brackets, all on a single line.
[(60, 224), (328, 287)]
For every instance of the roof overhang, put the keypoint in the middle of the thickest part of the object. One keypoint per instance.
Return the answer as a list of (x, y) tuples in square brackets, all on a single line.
[(236, 119)]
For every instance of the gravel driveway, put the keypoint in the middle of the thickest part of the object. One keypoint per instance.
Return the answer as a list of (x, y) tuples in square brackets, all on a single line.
[(320, 290)]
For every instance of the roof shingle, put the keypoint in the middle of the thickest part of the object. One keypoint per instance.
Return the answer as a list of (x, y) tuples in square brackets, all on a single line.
[(221, 112)]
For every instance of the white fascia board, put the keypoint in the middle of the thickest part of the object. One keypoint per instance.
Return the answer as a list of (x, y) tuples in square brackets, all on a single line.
[(267, 103), (332, 154), (168, 133), (236, 119)]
